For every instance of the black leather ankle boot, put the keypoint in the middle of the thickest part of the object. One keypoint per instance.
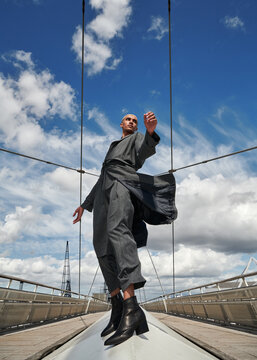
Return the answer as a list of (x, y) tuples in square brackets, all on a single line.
[(117, 306), (133, 319)]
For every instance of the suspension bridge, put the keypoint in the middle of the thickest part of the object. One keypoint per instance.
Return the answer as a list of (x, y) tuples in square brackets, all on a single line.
[(217, 320), (213, 321)]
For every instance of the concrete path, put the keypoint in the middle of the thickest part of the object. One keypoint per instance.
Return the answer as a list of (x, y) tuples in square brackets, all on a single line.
[(32, 344), (227, 344), (159, 343)]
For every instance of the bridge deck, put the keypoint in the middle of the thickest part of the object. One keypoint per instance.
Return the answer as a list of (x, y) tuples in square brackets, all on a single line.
[(225, 343), (159, 343), (32, 343)]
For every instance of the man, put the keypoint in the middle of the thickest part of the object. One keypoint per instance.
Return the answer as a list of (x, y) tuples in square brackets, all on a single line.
[(121, 200)]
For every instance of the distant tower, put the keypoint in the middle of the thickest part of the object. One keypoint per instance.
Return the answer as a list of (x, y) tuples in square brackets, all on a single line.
[(66, 282)]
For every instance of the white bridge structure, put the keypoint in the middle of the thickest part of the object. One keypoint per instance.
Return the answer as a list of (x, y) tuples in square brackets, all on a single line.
[(39, 309)]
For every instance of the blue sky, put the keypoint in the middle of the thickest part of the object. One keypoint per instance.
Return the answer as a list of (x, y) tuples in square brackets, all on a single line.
[(214, 58)]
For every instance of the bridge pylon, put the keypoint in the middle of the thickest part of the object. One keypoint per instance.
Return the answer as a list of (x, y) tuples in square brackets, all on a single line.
[(66, 280)]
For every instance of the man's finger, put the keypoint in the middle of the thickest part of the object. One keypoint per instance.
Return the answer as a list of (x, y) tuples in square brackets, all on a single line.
[(76, 220), (151, 116)]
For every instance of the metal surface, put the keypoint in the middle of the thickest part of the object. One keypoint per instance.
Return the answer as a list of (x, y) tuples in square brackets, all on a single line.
[(20, 307), (159, 343), (237, 306), (239, 281)]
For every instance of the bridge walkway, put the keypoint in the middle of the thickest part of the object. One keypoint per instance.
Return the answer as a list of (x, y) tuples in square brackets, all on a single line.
[(223, 342), (33, 343)]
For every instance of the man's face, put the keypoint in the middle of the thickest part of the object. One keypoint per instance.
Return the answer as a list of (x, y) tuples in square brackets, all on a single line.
[(129, 124)]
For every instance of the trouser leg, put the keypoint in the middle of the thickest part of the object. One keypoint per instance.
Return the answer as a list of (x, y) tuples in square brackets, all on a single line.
[(119, 226), (110, 272)]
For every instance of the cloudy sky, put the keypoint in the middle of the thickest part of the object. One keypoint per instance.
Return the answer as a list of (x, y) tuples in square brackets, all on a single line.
[(214, 56)]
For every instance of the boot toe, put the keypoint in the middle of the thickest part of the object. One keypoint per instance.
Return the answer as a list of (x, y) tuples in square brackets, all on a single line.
[(108, 330), (116, 340)]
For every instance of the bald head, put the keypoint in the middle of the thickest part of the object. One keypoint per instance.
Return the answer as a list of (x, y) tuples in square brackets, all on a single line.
[(128, 124), (129, 116)]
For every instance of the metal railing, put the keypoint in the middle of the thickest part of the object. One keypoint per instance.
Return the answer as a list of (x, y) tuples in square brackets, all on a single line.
[(234, 305), (41, 303)]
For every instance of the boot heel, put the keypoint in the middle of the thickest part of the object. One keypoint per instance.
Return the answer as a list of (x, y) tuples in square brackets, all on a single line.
[(142, 328)]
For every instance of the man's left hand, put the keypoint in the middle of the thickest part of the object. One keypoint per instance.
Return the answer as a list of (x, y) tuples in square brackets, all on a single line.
[(150, 122)]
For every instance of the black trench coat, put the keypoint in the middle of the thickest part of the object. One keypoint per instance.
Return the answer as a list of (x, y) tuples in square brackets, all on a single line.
[(153, 197)]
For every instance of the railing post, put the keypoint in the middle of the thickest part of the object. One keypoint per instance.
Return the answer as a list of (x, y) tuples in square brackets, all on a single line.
[(164, 303), (244, 281), (88, 305)]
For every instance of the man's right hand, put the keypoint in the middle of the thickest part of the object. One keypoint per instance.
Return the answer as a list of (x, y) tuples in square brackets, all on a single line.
[(150, 122), (79, 211)]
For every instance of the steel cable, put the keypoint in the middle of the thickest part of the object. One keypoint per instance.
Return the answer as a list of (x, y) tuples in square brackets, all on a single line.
[(171, 146)]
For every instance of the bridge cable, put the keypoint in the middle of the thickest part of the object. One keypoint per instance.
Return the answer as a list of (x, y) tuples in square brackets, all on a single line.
[(163, 294), (216, 158), (48, 162), (93, 281), (81, 130), (89, 173), (171, 146)]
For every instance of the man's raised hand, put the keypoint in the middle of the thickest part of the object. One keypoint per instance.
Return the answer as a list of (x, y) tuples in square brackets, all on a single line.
[(150, 122), (79, 211)]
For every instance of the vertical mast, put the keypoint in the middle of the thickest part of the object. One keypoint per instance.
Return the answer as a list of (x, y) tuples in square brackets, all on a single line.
[(81, 130), (171, 145)]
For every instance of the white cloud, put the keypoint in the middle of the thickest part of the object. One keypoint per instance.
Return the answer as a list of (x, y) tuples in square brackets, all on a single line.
[(229, 124), (41, 96), (29, 98), (158, 27), (233, 22), (97, 54), (104, 123), (48, 270), (193, 266), (189, 262), (21, 56), (113, 17), (114, 64), (17, 223), (219, 213), (214, 213)]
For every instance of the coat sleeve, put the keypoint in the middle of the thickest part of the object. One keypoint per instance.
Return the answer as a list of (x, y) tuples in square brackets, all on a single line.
[(88, 204), (145, 147)]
